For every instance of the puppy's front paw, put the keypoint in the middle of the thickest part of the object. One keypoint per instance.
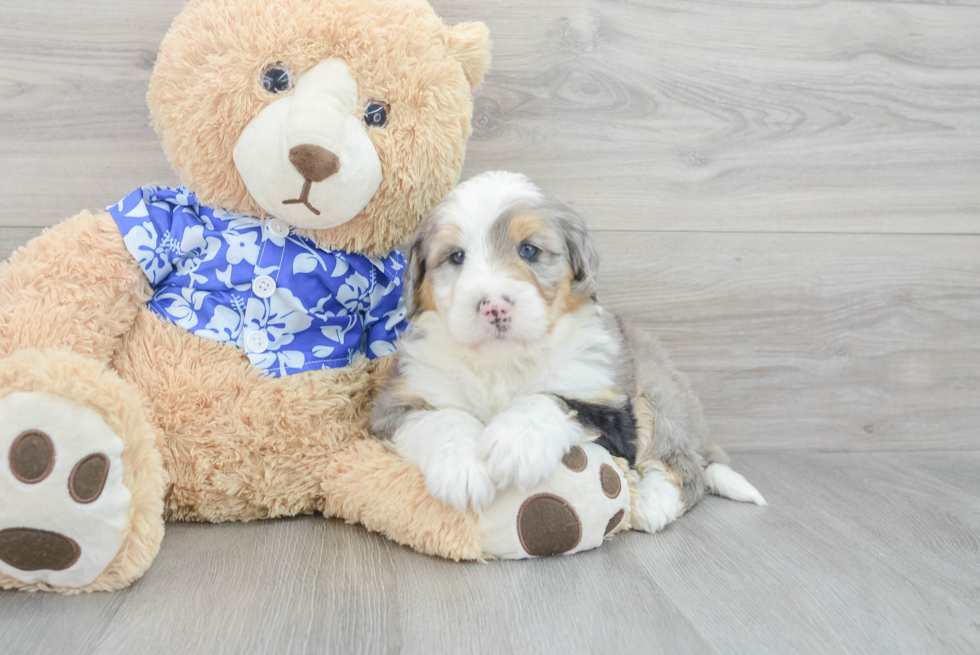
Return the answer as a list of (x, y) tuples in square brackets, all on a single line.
[(459, 481), (524, 445), (443, 444)]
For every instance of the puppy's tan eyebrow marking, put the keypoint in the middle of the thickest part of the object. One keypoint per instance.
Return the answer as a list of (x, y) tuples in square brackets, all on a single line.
[(524, 225), (444, 242)]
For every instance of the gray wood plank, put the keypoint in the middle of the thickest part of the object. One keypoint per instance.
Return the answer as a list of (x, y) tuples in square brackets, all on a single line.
[(857, 552), (757, 116), (599, 604), (856, 342), (666, 115), (290, 586), (12, 238), (73, 82)]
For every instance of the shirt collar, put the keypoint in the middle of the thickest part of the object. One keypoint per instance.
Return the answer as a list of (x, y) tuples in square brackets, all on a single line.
[(187, 198)]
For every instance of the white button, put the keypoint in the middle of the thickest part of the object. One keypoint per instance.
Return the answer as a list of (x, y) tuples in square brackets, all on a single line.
[(263, 286), (257, 341), (278, 228)]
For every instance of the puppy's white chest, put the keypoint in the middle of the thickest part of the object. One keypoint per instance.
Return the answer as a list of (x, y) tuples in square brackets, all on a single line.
[(496, 389)]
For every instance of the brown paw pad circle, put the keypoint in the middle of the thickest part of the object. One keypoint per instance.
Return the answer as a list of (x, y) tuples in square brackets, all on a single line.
[(548, 525), (28, 549), (615, 521), (610, 481), (31, 456), (87, 479), (575, 459)]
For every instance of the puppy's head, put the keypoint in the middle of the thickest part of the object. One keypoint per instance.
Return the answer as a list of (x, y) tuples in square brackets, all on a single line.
[(500, 263)]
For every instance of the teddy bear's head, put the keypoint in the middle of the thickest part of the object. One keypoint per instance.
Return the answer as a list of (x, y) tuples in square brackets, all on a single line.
[(347, 119)]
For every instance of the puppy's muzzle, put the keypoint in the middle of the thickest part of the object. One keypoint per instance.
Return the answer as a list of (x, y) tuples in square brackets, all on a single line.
[(496, 311)]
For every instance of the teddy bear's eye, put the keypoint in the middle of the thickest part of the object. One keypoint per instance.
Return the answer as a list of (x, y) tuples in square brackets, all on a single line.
[(276, 78), (376, 113)]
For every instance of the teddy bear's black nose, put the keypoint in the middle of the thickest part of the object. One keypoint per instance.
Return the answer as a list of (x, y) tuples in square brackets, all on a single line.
[(313, 162)]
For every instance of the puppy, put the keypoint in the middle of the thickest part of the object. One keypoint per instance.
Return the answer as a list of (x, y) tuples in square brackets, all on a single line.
[(510, 362)]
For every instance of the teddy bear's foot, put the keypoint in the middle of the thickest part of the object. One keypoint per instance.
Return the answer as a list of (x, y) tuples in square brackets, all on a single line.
[(585, 500), (81, 481), (65, 508)]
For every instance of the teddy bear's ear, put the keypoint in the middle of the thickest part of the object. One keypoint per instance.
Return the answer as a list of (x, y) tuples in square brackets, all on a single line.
[(470, 44)]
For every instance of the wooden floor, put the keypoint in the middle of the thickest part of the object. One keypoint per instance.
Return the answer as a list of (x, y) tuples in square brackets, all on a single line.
[(786, 191), (869, 553)]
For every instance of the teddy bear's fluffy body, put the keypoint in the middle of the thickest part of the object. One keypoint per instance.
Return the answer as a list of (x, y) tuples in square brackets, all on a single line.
[(205, 436)]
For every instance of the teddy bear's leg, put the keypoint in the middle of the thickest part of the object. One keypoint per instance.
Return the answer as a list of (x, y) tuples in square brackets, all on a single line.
[(80, 476), (379, 489)]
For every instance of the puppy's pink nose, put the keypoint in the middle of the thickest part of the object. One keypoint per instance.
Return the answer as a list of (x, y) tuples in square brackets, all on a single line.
[(496, 308)]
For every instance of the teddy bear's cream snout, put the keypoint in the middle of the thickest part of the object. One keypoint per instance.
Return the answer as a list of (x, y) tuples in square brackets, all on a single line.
[(307, 158)]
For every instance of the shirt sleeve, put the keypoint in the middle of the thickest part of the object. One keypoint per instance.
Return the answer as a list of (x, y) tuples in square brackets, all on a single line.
[(385, 320), (147, 230)]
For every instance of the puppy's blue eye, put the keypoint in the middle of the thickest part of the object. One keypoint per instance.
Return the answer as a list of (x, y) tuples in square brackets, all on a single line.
[(457, 258), (376, 113), (529, 252), (276, 79)]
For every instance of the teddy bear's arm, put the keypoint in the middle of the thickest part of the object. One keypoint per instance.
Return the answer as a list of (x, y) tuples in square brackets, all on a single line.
[(75, 286), (371, 485)]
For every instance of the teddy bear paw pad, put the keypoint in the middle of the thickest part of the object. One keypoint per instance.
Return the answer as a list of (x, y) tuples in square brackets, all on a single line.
[(586, 499), (64, 510)]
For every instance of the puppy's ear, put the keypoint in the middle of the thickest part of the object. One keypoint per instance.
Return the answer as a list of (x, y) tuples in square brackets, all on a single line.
[(583, 257), (413, 284)]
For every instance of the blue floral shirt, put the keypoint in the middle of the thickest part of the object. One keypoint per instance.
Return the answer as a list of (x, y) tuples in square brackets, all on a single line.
[(290, 305)]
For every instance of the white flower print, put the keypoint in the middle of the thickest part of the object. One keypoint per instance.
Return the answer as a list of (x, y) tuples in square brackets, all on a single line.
[(282, 360), (241, 246), (338, 331), (152, 253), (306, 263), (382, 348), (184, 306), (397, 315), (378, 293), (225, 325), (183, 196), (237, 221), (323, 352), (196, 249), (225, 277), (282, 316), (340, 267), (349, 295), (322, 313), (328, 309)]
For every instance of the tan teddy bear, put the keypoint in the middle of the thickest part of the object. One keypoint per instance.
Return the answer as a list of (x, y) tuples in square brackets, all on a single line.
[(170, 359)]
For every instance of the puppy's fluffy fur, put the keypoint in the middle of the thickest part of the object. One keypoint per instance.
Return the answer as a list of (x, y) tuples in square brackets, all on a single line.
[(510, 361)]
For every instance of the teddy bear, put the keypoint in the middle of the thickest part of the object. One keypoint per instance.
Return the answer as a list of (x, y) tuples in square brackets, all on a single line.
[(209, 352)]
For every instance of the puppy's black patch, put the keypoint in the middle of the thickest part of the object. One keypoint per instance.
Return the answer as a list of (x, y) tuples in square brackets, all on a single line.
[(616, 426)]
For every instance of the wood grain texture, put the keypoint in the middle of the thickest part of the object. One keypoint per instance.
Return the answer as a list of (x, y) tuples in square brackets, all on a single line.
[(781, 115), (75, 127), (856, 553), (830, 342), (12, 238), (870, 553), (738, 116)]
